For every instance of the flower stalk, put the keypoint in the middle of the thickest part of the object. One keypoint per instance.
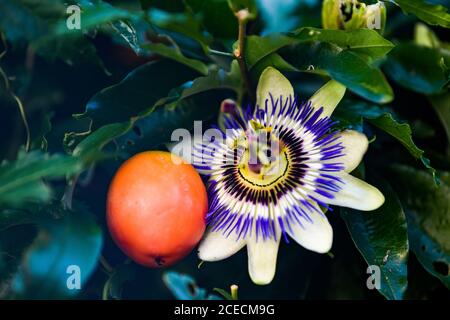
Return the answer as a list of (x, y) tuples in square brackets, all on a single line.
[(239, 54)]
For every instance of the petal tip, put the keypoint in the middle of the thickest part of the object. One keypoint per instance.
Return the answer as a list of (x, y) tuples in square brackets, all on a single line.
[(261, 278), (262, 260), (215, 246), (377, 199)]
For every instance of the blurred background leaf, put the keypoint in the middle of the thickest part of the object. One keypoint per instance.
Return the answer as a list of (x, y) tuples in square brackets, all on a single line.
[(434, 14), (427, 207), (75, 240), (21, 180), (183, 287), (381, 237), (344, 66)]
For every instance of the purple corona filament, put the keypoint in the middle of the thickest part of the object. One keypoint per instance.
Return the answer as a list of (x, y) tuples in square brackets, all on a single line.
[(243, 200)]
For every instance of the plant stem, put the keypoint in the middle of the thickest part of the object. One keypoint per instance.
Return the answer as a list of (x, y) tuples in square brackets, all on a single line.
[(24, 120), (234, 292), (105, 264), (239, 51), (19, 106), (66, 200)]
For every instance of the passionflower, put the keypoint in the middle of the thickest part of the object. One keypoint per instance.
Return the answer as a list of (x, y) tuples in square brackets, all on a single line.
[(277, 169)]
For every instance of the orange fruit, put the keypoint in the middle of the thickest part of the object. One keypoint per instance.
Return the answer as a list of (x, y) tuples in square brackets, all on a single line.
[(156, 208)]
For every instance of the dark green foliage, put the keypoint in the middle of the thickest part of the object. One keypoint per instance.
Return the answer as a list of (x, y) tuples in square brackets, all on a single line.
[(76, 103)]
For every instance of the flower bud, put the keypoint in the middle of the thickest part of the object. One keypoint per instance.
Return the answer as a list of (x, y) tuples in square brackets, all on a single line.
[(244, 10), (352, 15), (228, 106)]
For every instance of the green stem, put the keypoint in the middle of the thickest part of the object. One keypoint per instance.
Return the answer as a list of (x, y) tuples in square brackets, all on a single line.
[(105, 264), (105, 292), (239, 53), (14, 96), (68, 193), (25, 121), (5, 46), (20, 107), (234, 292)]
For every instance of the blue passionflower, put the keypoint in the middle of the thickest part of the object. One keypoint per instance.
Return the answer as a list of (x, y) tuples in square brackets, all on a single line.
[(276, 171)]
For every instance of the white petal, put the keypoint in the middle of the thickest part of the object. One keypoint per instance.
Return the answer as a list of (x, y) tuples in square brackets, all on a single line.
[(356, 194), (262, 258), (315, 235), (328, 97), (355, 144), (272, 82), (215, 246)]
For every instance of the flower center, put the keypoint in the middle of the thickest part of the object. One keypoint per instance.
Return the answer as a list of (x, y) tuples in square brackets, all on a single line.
[(265, 160)]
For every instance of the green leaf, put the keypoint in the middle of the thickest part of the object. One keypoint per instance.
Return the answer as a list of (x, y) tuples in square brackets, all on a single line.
[(34, 21), (183, 287), (90, 149), (381, 237), (343, 66), (201, 20), (402, 133), (343, 55), (32, 213), (364, 42), (21, 180), (177, 55), (429, 253), (139, 91), (431, 14), (155, 128), (197, 100), (428, 210), (417, 68), (93, 15), (216, 79), (183, 23), (128, 33), (351, 113), (216, 17), (26, 20), (272, 60), (73, 49), (257, 48), (73, 242)]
